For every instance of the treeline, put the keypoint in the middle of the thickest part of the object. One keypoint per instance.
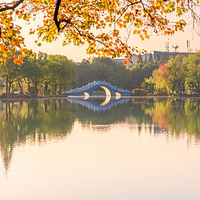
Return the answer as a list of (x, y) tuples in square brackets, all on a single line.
[(117, 74), (51, 74), (180, 75), (47, 74)]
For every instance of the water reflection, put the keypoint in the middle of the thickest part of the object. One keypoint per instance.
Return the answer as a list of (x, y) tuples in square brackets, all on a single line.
[(37, 122), (33, 122), (176, 116), (160, 115), (94, 104)]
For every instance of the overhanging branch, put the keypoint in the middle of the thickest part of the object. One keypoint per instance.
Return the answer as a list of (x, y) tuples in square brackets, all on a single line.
[(56, 14), (58, 22), (12, 6)]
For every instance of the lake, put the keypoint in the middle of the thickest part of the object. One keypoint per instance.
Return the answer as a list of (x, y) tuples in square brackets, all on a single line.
[(76, 149)]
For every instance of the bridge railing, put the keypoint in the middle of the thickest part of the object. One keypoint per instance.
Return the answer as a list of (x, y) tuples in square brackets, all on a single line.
[(97, 83)]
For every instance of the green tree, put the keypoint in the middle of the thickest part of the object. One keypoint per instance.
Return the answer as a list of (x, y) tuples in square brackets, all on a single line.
[(149, 84), (193, 68), (104, 69), (178, 71), (61, 72), (148, 68), (9, 73), (32, 74), (137, 76)]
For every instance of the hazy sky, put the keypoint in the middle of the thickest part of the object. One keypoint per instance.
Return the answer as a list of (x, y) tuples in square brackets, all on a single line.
[(155, 43)]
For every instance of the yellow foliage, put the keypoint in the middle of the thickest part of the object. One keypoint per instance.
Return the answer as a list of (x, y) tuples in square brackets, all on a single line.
[(78, 19)]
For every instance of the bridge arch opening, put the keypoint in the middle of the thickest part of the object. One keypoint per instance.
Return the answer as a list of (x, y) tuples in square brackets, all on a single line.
[(87, 96), (101, 91), (98, 91), (117, 95), (106, 101), (107, 91)]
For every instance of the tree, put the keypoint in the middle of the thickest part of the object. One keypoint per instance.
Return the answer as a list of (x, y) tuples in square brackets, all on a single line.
[(178, 69), (193, 67), (9, 72), (32, 74), (43, 64), (148, 83), (137, 76), (61, 72), (162, 77), (78, 19), (104, 69), (149, 67)]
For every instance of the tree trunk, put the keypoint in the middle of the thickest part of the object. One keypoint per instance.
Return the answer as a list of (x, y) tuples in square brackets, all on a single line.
[(21, 89), (183, 88), (12, 88), (60, 89), (6, 86), (45, 88), (9, 87), (55, 88), (28, 86)]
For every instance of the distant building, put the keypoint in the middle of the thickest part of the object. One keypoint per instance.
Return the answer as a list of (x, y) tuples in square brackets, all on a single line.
[(157, 55), (168, 55)]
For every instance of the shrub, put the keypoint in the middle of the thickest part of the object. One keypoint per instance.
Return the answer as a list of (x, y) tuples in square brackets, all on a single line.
[(160, 92), (139, 91)]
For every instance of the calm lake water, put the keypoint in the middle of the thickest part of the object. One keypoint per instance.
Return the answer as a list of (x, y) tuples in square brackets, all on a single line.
[(72, 149)]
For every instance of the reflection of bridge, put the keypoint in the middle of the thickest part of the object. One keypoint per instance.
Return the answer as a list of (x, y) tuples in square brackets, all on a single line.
[(109, 89), (91, 105)]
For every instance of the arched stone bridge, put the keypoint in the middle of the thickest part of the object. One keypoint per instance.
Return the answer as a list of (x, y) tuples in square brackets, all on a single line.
[(109, 89)]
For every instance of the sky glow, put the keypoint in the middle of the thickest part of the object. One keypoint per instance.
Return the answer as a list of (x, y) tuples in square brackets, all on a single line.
[(155, 43)]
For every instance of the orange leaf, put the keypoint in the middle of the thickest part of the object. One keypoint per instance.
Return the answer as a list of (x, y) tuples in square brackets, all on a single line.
[(130, 59), (125, 62)]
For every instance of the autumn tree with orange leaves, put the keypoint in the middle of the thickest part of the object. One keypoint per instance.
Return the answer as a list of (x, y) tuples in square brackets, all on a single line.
[(99, 23), (162, 78)]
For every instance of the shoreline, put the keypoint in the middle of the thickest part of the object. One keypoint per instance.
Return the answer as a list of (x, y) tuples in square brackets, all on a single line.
[(17, 97)]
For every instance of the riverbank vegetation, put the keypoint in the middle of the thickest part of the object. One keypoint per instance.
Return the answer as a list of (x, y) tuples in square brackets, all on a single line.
[(43, 74), (52, 74), (180, 75)]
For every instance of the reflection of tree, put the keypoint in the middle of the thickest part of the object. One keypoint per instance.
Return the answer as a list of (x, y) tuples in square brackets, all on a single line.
[(137, 114), (161, 113), (114, 115), (41, 121), (179, 116), (33, 121), (128, 112), (175, 116)]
